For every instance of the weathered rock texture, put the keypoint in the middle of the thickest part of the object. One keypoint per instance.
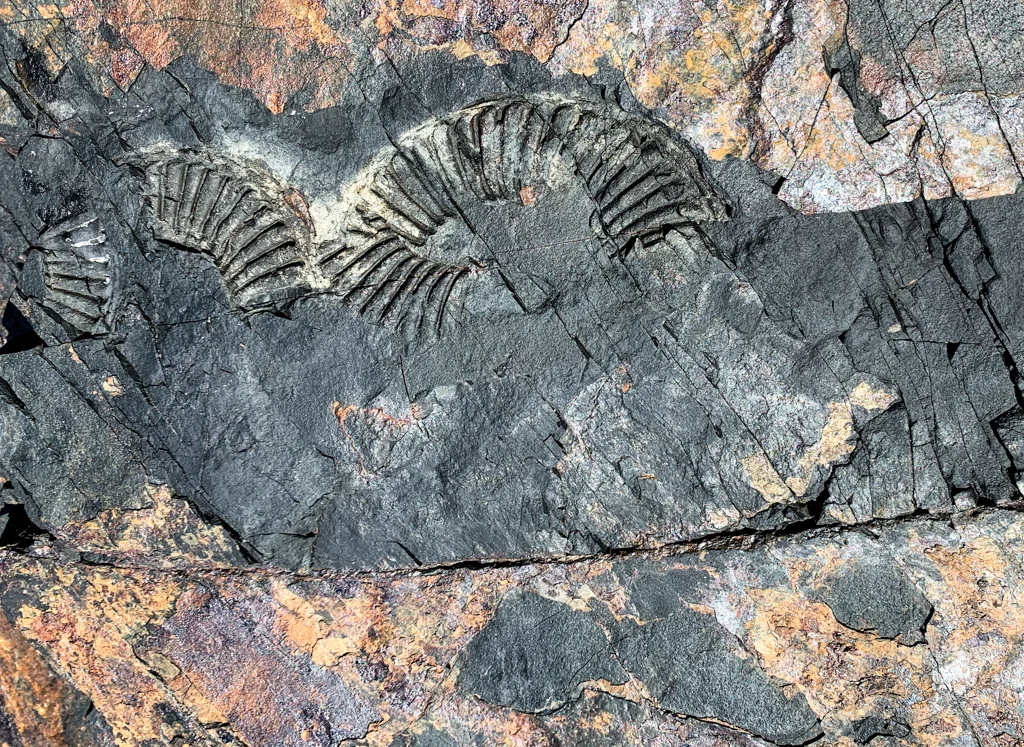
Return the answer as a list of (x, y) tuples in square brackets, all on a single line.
[(743, 635), (461, 374), (849, 104)]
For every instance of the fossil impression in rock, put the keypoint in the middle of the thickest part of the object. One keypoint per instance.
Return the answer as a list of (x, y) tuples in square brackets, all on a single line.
[(388, 261), (605, 374), (72, 269)]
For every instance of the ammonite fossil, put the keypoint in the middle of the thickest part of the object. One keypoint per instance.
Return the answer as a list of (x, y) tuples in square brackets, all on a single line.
[(388, 262), (72, 272)]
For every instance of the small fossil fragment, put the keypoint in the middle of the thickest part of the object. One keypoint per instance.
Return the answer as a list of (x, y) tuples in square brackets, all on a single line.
[(74, 274)]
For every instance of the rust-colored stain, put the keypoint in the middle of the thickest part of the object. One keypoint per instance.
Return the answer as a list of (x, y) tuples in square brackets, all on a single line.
[(740, 78), (32, 695), (165, 532), (244, 43), (377, 654), (371, 433)]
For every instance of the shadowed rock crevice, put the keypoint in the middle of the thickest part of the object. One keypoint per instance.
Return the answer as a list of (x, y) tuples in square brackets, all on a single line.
[(17, 530), (19, 335)]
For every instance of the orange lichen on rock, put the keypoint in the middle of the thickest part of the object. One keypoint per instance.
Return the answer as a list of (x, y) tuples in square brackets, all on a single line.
[(979, 607), (843, 673), (700, 66), (487, 28), (836, 443), (164, 532), (31, 694)]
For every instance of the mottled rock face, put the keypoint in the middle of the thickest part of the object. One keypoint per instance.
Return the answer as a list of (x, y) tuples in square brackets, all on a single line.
[(510, 337), (445, 374), (849, 105)]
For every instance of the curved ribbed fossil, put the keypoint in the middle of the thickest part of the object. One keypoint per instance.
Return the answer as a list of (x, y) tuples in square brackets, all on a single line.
[(237, 214), (640, 179), (77, 274)]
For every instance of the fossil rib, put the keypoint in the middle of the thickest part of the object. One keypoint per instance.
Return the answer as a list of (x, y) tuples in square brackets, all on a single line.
[(641, 181), (237, 214), (77, 270)]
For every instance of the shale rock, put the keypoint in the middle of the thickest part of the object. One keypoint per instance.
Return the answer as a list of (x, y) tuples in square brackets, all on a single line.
[(507, 372)]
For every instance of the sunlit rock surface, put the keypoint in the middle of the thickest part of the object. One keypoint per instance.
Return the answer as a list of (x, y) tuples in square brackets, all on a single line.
[(467, 374)]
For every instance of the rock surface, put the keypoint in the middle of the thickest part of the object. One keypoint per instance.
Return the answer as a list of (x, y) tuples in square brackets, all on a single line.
[(848, 104), (413, 374)]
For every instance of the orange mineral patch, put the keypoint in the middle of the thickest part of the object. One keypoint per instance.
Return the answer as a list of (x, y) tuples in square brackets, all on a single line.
[(141, 641), (164, 533), (30, 692), (844, 674), (84, 619), (740, 78), (243, 45)]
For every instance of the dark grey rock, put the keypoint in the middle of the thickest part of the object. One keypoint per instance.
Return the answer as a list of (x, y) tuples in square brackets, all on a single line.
[(605, 375), (875, 595), (866, 729), (8, 731), (65, 455), (591, 381), (534, 654), (427, 737), (842, 59), (694, 667)]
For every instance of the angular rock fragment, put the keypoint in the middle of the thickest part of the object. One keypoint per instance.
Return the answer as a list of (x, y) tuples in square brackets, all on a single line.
[(868, 728), (535, 654), (692, 666), (875, 595), (63, 455)]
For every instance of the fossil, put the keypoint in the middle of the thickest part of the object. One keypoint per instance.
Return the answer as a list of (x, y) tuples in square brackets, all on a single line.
[(73, 272), (387, 261), (237, 214)]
